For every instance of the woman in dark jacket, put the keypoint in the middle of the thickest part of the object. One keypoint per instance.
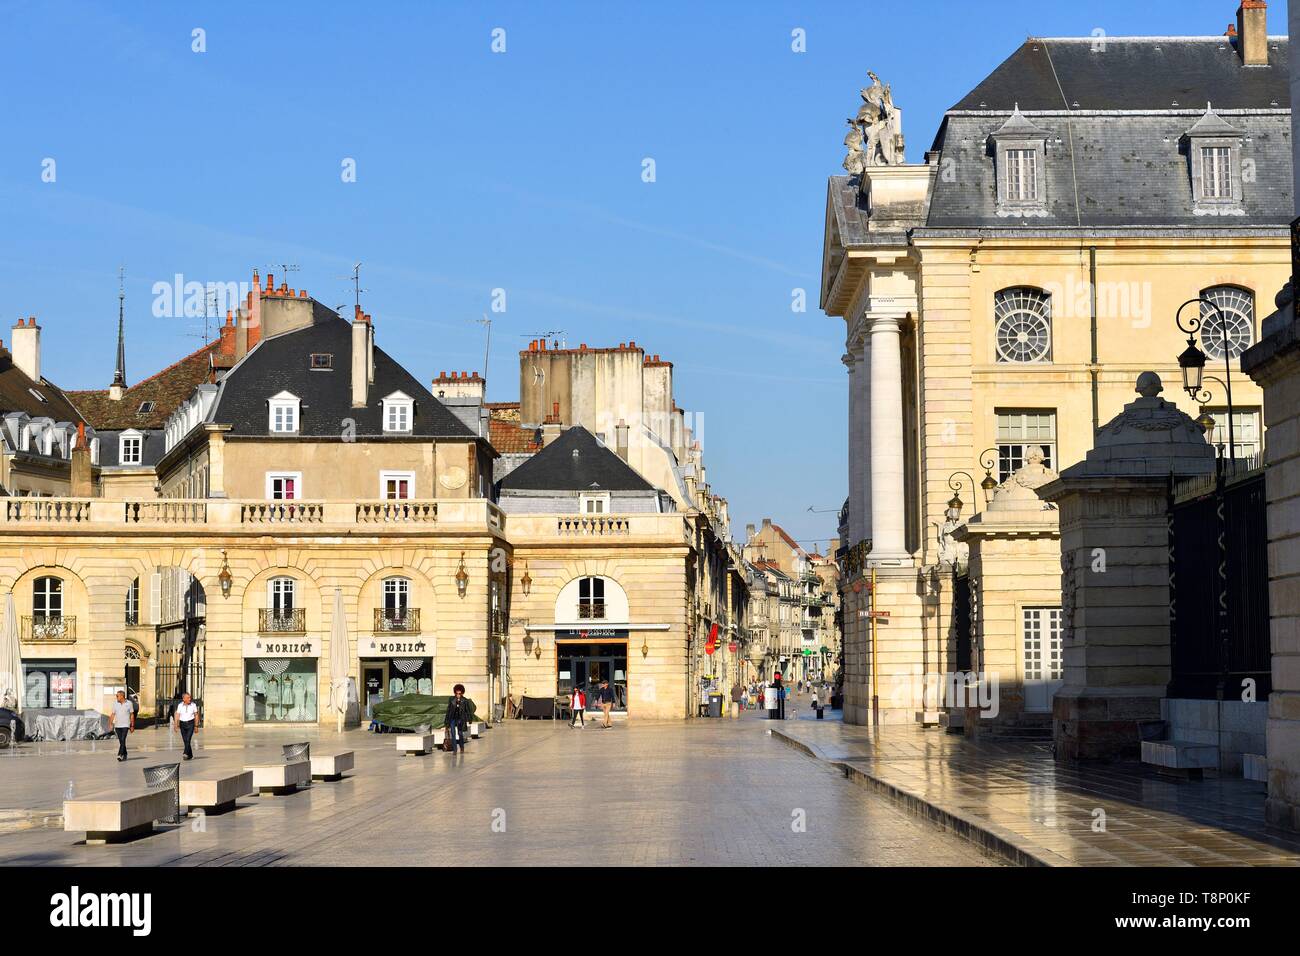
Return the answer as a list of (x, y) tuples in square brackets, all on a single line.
[(456, 722)]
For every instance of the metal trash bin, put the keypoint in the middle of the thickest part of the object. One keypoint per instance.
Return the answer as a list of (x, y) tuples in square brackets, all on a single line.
[(295, 752), (166, 776), (715, 705)]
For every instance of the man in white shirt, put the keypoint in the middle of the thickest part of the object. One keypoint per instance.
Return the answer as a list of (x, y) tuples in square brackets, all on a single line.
[(186, 720), (123, 715)]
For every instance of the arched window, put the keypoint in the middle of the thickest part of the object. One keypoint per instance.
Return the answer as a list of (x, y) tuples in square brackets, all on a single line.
[(1235, 312), (1022, 322), (591, 598), (47, 599)]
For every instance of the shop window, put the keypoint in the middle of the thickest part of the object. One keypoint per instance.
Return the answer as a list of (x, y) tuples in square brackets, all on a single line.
[(49, 684), (280, 689)]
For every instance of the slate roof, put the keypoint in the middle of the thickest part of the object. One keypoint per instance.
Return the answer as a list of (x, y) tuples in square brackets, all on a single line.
[(1116, 158), (283, 363), (556, 468), (168, 390), (1127, 171), (1132, 73), (16, 397)]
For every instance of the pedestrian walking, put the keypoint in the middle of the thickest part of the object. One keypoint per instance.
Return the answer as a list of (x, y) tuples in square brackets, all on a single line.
[(817, 702), (456, 723), (123, 722), (186, 720), (578, 706), (737, 696), (605, 697)]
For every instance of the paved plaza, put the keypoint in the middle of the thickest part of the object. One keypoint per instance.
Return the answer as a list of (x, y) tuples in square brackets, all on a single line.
[(1016, 799), (528, 793)]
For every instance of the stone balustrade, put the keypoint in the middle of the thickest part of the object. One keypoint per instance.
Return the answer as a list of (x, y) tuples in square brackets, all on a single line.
[(227, 514)]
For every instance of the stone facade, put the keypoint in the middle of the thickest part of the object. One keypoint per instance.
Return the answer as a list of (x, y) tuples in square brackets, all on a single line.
[(1115, 573)]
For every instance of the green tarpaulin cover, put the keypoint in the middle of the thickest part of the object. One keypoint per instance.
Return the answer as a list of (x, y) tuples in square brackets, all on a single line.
[(411, 710)]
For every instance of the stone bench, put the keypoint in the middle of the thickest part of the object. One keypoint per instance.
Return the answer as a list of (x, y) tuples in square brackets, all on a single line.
[(1181, 757), (277, 779), (216, 793), (419, 744), (1254, 767), (117, 815), (476, 728), (332, 766)]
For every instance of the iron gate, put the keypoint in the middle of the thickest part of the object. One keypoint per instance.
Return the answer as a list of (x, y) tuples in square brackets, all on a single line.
[(1218, 586)]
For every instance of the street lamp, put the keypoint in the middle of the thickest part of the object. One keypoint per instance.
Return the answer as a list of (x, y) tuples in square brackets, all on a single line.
[(953, 513), (1192, 359), (989, 484), (1205, 419)]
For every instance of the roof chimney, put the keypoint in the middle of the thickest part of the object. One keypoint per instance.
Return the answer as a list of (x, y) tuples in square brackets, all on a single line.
[(620, 431), (26, 347), (1252, 32), (360, 359)]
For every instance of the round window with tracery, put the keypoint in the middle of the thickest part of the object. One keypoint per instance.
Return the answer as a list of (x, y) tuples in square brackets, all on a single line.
[(1235, 312), (1023, 323)]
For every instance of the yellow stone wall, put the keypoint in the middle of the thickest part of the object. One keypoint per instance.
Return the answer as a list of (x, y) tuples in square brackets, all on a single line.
[(649, 564)]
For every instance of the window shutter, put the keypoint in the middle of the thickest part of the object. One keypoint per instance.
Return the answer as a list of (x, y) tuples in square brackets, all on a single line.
[(155, 598)]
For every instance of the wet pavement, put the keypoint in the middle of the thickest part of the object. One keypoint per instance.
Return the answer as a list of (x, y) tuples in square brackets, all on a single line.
[(527, 793), (1014, 798)]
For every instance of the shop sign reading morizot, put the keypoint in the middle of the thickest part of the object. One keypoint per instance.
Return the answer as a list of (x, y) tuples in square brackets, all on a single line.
[(388, 646), (280, 647)]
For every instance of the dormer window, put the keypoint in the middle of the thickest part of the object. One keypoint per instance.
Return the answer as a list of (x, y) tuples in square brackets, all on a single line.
[(322, 361), (1214, 157), (1019, 162), (284, 414), (1022, 175), (130, 448), (399, 412)]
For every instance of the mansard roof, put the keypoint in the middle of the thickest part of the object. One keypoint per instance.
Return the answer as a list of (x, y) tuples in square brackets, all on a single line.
[(283, 363)]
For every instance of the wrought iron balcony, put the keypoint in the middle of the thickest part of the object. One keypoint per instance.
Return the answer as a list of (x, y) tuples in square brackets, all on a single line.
[(400, 620), (49, 628), (499, 622), (594, 610), (273, 621)]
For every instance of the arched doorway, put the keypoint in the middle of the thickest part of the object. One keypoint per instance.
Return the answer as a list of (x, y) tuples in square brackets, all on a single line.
[(177, 609)]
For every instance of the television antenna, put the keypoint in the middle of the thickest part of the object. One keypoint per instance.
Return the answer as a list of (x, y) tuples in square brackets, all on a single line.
[(285, 269), (487, 346), (356, 284)]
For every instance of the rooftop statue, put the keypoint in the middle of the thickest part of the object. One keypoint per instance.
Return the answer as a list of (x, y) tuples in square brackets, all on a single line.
[(876, 134)]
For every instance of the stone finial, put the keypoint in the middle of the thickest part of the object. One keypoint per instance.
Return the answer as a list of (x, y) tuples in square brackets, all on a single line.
[(1149, 385)]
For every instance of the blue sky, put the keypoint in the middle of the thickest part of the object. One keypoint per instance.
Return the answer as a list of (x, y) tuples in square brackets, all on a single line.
[(477, 170)]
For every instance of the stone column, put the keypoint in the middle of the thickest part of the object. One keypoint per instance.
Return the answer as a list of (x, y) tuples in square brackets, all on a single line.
[(888, 498), (1275, 364), (1115, 573), (856, 459)]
